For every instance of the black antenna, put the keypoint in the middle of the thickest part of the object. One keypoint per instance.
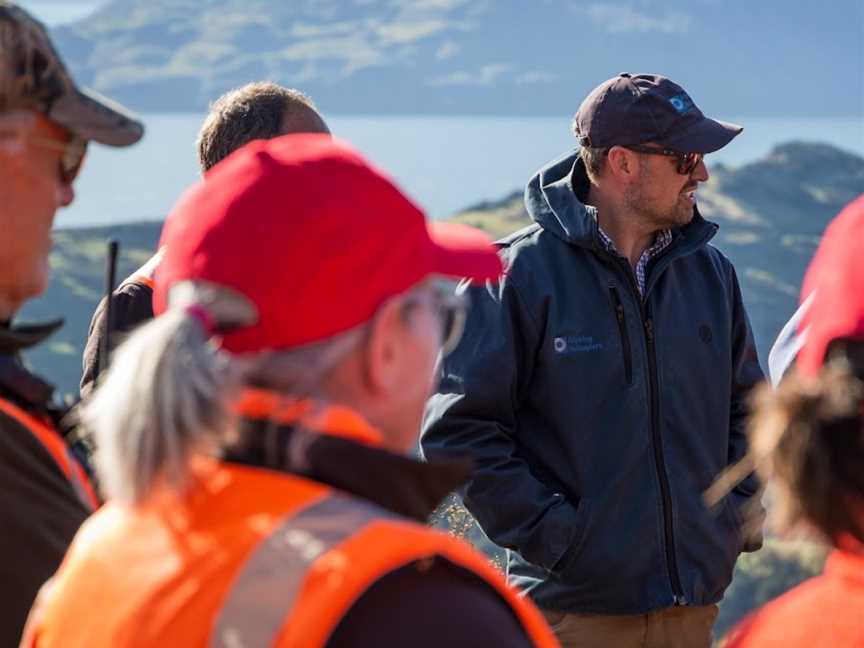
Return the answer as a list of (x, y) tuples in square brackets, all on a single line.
[(110, 276)]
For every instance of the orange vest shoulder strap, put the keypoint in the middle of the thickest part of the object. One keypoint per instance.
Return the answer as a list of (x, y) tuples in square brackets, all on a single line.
[(298, 584), (332, 420), (57, 448), (146, 273), (138, 279)]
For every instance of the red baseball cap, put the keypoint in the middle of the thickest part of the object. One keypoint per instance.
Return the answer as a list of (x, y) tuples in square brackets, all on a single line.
[(314, 235), (835, 278)]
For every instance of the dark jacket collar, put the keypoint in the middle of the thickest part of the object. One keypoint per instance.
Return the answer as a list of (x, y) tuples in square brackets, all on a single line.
[(17, 337), (554, 200), (395, 482), (17, 383)]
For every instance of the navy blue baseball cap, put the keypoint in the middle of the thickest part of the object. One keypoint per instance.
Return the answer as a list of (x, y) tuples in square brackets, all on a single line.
[(632, 109)]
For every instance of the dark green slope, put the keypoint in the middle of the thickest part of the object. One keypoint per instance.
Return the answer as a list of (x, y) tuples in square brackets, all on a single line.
[(78, 270)]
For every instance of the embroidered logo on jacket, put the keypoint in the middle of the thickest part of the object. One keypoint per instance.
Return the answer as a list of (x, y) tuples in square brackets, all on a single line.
[(576, 344)]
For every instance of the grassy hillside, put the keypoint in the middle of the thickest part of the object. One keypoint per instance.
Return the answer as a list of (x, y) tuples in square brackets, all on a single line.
[(78, 271)]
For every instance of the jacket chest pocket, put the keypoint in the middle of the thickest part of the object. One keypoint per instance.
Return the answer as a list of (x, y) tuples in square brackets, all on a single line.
[(623, 334), (595, 356)]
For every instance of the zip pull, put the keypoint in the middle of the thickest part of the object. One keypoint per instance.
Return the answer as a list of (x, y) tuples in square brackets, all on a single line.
[(649, 330), (616, 304)]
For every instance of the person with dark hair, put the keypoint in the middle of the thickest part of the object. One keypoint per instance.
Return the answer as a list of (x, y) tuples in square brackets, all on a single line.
[(253, 439), (807, 439), (254, 111), (251, 112), (603, 384), (46, 124)]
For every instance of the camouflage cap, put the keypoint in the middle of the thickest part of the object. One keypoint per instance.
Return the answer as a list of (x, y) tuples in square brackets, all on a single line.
[(33, 77)]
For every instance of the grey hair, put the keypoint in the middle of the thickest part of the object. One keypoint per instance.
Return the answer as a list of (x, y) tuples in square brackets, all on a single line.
[(166, 394), (300, 371), (168, 391)]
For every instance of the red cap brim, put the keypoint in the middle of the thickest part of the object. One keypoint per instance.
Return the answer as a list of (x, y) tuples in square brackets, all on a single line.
[(463, 251)]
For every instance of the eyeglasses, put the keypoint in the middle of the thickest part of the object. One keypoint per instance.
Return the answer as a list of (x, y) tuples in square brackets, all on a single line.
[(73, 153), (451, 307), (687, 162)]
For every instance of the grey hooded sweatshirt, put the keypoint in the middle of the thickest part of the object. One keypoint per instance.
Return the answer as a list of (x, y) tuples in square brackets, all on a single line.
[(596, 418)]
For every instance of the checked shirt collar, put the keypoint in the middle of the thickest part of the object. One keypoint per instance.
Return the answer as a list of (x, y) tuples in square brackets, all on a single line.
[(661, 242)]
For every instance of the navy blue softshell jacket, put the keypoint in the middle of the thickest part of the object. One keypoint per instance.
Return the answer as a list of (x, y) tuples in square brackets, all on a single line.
[(597, 419)]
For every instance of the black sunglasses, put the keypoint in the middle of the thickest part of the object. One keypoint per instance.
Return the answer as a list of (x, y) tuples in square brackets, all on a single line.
[(687, 162)]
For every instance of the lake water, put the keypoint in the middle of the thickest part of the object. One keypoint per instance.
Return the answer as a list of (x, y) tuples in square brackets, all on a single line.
[(444, 163)]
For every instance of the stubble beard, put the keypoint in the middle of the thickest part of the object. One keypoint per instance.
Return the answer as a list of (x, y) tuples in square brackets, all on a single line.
[(639, 201)]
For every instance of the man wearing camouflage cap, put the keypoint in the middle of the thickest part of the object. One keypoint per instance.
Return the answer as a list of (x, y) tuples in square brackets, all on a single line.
[(46, 123), (602, 385)]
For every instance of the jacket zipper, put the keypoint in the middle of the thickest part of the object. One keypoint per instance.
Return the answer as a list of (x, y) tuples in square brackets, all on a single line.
[(659, 461), (622, 330)]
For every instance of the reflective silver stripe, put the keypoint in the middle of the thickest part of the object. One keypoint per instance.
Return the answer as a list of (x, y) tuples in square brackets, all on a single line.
[(267, 585)]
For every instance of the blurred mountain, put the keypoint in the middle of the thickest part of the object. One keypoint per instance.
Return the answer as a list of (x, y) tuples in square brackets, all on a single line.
[(469, 56), (771, 214)]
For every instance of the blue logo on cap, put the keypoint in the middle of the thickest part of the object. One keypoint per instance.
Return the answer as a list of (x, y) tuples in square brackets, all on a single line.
[(681, 103)]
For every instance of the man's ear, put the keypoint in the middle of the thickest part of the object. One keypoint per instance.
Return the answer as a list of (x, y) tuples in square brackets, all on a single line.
[(623, 164), (381, 354)]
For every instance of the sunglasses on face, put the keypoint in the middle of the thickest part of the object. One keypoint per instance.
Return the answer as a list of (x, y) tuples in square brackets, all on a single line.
[(686, 162), (451, 308), (72, 158)]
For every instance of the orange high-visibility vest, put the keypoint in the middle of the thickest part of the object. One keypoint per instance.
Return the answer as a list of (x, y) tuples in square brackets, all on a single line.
[(245, 557), (51, 440), (257, 559)]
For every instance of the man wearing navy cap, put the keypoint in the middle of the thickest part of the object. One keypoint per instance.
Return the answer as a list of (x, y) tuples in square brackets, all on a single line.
[(602, 386)]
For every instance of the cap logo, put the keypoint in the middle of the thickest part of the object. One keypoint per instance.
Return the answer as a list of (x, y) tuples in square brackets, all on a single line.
[(681, 103)]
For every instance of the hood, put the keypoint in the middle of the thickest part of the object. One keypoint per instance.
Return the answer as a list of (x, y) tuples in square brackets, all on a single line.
[(552, 200)]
